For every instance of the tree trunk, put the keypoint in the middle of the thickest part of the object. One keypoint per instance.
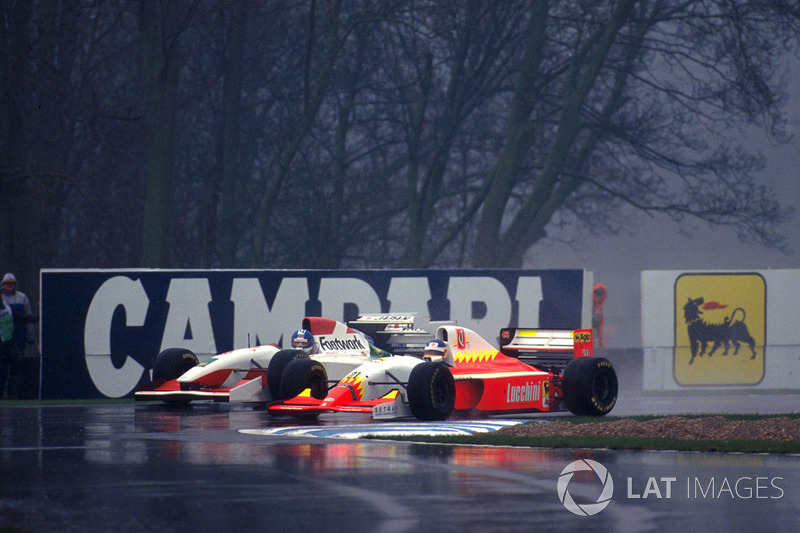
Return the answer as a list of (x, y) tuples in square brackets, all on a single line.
[(228, 231), (495, 247), (518, 140), (158, 23), (313, 101), (14, 47)]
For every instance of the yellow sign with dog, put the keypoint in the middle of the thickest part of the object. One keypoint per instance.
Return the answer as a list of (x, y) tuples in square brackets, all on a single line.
[(720, 329)]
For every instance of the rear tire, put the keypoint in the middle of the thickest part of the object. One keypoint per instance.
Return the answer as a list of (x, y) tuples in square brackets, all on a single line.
[(589, 386), (431, 391), (276, 368), (302, 374), (172, 363)]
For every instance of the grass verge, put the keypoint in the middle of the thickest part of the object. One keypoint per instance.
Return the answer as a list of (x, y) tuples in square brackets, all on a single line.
[(626, 443), (618, 443)]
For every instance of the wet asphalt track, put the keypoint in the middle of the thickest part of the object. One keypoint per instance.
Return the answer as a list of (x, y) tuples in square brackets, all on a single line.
[(147, 467)]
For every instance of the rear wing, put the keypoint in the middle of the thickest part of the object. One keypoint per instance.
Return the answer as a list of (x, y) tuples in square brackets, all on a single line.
[(398, 333), (548, 349)]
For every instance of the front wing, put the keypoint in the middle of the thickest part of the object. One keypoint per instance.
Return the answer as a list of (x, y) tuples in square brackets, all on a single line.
[(247, 391), (390, 406)]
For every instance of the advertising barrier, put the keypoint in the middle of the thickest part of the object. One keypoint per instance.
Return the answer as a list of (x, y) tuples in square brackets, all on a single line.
[(703, 329), (101, 329)]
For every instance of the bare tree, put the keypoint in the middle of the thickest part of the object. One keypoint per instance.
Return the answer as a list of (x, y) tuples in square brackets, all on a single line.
[(322, 51), (462, 67), (376, 134), (636, 113), (235, 32), (159, 22), (14, 49)]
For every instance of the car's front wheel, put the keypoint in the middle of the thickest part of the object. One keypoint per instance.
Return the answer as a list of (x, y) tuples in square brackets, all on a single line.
[(302, 374), (431, 391), (277, 364), (172, 363)]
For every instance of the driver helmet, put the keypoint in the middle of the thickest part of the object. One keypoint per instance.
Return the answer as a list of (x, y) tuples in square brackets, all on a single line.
[(303, 339), (435, 350)]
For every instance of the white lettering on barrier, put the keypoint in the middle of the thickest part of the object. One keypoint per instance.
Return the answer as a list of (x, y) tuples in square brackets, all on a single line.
[(529, 297), (255, 323), (334, 293), (463, 291), (117, 291), (409, 294), (189, 320), (188, 324)]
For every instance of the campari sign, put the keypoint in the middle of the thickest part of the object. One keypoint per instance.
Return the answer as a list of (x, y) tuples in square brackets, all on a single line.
[(101, 329)]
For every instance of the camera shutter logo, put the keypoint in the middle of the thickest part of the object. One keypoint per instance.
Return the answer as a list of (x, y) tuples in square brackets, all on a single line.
[(586, 509)]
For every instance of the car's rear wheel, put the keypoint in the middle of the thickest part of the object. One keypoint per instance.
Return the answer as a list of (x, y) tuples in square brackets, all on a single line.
[(302, 374), (431, 391), (589, 386), (276, 367), (172, 363)]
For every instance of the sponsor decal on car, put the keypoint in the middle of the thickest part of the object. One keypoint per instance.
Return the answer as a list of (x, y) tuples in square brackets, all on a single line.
[(475, 356), (355, 382), (528, 392), (353, 342)]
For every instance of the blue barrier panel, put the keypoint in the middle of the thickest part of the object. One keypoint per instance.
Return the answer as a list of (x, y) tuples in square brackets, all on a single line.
[(101, 329)]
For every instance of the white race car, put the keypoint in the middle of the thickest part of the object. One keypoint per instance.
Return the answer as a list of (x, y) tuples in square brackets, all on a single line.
[(254, 375)]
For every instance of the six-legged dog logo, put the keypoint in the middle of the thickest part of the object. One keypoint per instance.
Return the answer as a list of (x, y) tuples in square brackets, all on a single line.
[(720, 329), (731, 330)]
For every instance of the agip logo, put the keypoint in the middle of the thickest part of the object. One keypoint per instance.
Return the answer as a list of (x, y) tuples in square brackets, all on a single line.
[(720, 329), (601, 474)]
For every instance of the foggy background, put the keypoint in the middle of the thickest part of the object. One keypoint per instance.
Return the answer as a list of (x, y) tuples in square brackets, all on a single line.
[(657, 243), (614, 137)]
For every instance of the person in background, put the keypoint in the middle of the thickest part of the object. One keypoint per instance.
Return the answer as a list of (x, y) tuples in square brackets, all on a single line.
[(599, 294), (8, 352), (21, 308)]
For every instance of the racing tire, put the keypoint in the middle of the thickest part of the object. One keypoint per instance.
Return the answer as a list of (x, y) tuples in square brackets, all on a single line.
[(302, 374), (431, 391), (172, 363), (589, 386), (276, 367)]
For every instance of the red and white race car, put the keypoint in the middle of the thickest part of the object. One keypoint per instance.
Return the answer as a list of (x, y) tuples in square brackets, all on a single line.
[(464, 372), (533, 371), (254, 375)]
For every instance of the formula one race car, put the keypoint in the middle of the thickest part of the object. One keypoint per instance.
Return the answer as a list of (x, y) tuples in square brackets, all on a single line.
[(460, 371), (254, 375)]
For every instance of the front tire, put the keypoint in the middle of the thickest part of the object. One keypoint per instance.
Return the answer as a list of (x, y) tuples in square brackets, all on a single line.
[(172, 363), (589, 386), (276, 367), (431, 391), (302, 374)]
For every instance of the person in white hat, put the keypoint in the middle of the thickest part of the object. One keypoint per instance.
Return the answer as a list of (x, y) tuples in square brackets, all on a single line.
[(9, 356), (21, 308), (8, 352)]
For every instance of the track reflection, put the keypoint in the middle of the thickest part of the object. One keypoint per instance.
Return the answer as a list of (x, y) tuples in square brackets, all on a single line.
[(151, 468)]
